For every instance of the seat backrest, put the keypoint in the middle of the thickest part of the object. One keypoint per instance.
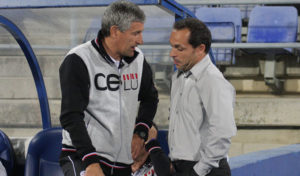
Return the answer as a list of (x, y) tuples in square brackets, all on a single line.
[(158, 30), (225, 26), (43, 153), (244, 8), (222, 31), (271, 24), (223, 18), (7, 156)]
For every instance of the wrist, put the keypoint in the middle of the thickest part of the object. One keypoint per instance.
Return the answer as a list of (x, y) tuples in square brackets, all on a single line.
[(142, 129), (142, 134), (152, 145), (90, 159)]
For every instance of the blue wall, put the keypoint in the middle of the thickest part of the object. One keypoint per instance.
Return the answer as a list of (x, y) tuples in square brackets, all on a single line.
[(283, 161)]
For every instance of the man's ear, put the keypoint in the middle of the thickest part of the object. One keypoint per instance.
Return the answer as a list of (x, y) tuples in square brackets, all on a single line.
[(114, 31), (200, 50)]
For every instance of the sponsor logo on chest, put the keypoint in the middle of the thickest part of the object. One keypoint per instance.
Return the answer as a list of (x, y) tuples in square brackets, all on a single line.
[(112, 82)]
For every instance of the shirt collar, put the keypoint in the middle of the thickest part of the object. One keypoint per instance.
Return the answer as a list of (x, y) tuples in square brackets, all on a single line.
[(197, 69), (186, 73), (98, 45)]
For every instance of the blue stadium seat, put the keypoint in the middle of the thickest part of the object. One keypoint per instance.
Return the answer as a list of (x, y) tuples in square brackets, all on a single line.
[(7, 155), (269, 24), (43, 154), (272, 24), (244, 8), (225, 26), (158, 30)]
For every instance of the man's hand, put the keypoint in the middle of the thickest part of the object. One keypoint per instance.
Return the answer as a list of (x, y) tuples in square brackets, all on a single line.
[(137, 145), (94, 170), (152, 134)]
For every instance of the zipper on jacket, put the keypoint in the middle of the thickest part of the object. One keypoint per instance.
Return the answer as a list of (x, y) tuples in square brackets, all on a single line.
[(120, 108)]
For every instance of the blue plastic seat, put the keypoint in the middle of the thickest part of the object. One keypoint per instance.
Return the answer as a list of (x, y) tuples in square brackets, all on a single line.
[(244, 8), (7, 155), (158, 30), (272, 24), (43, 154), (225, 26), (269, 24)]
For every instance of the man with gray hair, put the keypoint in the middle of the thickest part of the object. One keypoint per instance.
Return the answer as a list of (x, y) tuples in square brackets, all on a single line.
[(108, 97)]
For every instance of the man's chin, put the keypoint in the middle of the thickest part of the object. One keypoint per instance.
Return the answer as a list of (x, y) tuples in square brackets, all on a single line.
[(128, 54)]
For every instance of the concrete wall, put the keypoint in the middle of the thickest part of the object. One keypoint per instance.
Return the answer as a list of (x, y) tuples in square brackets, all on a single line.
[(283, 161)]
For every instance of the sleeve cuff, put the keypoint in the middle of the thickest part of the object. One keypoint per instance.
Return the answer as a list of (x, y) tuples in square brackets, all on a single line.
[(89, 159), (202, 168), (142, 128), (152, 145)]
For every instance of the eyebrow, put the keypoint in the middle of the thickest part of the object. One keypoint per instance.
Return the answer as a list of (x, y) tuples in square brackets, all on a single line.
[(175, 45), (178, 46)]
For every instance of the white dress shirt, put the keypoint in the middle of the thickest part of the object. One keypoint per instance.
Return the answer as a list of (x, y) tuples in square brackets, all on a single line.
[(2, 170), (201, 116)]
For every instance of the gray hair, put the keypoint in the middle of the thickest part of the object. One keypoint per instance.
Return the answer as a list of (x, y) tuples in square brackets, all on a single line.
[(122, 14)]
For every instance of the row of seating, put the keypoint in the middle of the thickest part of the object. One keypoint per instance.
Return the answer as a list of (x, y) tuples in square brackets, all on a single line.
[(267, 24), (244, 8), (42, 156)]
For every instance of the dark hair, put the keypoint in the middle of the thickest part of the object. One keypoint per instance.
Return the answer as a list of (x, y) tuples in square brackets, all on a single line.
[(122, 14), (200, 34)]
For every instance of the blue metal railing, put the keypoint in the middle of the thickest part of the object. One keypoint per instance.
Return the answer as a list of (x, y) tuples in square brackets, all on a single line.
[(34, 66)]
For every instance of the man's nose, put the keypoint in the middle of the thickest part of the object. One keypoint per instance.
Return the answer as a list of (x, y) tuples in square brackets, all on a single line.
[(172, 53), (140, 39)]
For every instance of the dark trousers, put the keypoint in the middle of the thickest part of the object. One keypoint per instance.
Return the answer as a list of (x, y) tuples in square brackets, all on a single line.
[(183, 166), (72, 166)]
